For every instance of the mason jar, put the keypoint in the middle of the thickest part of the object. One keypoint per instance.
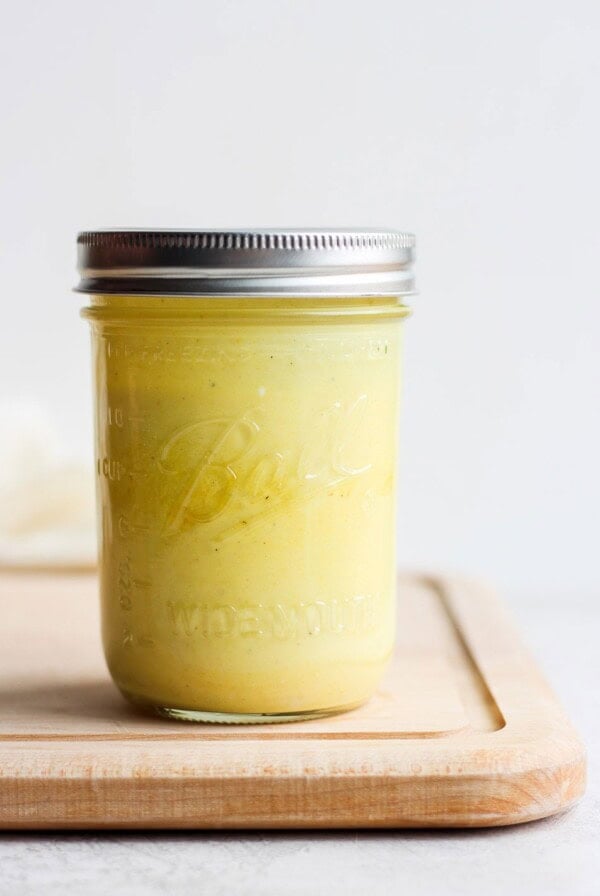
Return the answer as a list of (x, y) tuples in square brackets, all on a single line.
[(246, 407)]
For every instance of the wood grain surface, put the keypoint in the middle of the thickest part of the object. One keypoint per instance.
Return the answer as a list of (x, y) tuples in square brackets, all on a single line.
[(464, 731)]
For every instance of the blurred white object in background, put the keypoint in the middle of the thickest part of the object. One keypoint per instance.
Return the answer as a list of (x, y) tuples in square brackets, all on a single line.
[(47, 516)]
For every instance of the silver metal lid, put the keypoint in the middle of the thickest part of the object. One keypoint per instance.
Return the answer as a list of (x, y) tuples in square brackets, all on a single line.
[(246, 262)]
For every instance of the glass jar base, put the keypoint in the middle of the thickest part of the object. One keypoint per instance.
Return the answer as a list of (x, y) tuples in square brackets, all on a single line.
[(247, 718)]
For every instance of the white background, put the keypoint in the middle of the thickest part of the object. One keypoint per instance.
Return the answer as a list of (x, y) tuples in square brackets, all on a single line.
[(475, 124)]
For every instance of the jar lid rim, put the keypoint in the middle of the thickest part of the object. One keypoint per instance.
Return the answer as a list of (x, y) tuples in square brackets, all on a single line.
[(257, 262)]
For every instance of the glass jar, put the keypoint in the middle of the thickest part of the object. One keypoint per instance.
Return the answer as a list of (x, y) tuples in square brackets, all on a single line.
[(246, 391)]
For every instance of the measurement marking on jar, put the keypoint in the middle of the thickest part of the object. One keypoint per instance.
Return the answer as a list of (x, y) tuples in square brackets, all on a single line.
[(130, 640), (145, 642), (124, 583), (114, 417), (110, 468), (127, 528)]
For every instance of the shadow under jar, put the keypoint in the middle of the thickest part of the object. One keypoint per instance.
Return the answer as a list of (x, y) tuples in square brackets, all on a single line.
[(246, 391)]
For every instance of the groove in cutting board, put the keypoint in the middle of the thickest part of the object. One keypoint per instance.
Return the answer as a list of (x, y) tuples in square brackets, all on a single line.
[(44, 699)]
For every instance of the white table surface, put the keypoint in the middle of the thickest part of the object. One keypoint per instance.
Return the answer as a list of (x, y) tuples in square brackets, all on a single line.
[(556, 856)]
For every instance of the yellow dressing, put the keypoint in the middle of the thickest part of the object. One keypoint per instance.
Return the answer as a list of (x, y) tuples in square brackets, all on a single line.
[(246, 454)]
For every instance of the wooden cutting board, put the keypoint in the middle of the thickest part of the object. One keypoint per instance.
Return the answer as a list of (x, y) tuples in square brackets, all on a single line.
[(463, 732)]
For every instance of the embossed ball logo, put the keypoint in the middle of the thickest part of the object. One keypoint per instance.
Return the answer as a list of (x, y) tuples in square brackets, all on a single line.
[(229, 463)]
